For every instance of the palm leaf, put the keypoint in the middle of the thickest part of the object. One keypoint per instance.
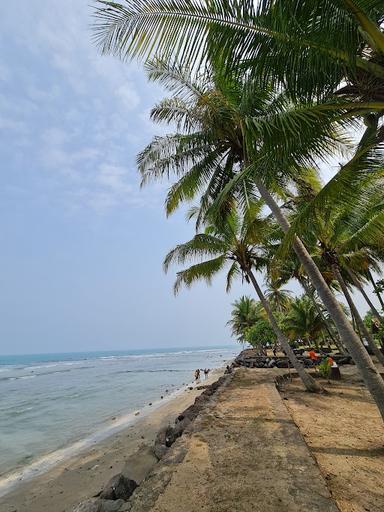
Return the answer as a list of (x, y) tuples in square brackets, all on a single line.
[(201, 245), (201, 271)]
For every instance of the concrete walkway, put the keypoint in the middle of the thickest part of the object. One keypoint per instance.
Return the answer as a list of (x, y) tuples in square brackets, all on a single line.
[(245, 454)]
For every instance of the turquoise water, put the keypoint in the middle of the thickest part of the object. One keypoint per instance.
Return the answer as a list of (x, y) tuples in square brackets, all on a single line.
[(48, 401)]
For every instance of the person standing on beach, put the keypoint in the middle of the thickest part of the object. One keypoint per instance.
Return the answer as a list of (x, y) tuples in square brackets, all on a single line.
[(197, 375), (206, 372)]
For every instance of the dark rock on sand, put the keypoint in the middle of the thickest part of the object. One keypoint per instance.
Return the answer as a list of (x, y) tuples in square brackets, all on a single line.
[(111, 506), (180, 426), (88, 506), (161, 436), (171, 435), (166, 437), (191, 412), (159, 450), (118, 487), (99, 505)]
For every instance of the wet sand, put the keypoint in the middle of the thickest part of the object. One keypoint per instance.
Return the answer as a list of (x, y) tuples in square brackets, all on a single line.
[(84, 474)]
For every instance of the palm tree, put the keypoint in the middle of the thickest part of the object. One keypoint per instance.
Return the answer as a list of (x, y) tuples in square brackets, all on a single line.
[(310, 47), (232, 31), (279, 299), (209, 159), (303, 321), (243, 316), (378, 287), (346, 242), (235, 242)]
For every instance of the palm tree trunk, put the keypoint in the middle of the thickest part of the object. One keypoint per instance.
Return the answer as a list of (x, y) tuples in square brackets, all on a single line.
[(378, 294), (321, 315), (308, 381), (368, 370), (364, 294), (359, 322)]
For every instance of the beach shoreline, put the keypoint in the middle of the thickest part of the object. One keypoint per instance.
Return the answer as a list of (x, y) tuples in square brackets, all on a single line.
[(65, 477)]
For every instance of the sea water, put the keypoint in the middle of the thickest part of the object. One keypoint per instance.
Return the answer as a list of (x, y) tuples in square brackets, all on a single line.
[(48, 401)]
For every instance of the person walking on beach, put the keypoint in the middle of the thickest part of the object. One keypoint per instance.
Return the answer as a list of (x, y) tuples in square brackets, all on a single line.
[(206, 372), (197, 375)]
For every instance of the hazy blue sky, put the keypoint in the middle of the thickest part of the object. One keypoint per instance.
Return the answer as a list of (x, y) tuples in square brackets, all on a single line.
[(81, 244)]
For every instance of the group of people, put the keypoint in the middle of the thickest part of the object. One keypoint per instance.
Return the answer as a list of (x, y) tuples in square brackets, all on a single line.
[(317, 359), (199, 371)]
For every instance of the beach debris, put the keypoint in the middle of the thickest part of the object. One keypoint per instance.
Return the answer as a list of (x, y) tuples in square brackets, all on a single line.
[(161, 397), (137, 413), (150, 403), (118, 487)]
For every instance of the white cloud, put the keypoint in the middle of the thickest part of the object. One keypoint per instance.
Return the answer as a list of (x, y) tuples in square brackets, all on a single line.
[(114, 178), (78, 109), (128, 96)]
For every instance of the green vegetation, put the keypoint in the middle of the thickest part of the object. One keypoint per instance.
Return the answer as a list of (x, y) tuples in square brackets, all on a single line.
[(244, 315), (261, 334), (262, 93)]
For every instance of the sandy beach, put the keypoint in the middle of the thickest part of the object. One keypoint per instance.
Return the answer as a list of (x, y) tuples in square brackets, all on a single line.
[(84, 474)]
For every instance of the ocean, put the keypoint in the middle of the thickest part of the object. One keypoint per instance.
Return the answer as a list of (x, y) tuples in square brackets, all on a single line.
[(50, 401)]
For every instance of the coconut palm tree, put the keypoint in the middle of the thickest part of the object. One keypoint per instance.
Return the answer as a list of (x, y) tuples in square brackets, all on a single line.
[(211, 160), (234, 243), (378, 287), (236, 31), (346, 242), (310, 47), (278, 298), (244, 315), (303, 322)]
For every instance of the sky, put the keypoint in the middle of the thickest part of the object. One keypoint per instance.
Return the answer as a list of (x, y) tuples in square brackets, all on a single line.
[(81, 244)]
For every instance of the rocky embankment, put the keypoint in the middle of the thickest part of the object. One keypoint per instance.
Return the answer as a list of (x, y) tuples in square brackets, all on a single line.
[(115, 495), (250, 358)]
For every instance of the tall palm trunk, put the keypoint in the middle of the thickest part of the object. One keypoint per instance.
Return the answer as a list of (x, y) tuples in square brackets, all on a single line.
[(376, 289), (308, 381), (359, 321), (364, 294), (369, 373), (308, 291)]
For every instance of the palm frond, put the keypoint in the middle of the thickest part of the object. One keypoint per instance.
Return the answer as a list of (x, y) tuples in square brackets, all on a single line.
[(201, 245), (198, 176), (343, 189), (201, 271), (233, 272), (177, 79), (177, 112)]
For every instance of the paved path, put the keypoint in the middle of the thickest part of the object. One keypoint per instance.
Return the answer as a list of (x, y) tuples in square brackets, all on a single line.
[(245, 455)]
